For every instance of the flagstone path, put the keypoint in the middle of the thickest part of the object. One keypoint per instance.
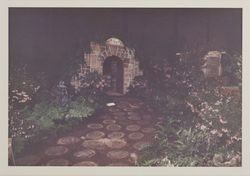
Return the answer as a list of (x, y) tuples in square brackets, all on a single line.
[(113, 138)]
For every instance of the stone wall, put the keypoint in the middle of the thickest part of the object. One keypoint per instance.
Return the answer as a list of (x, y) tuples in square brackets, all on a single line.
[(114, 47), (212, 66)]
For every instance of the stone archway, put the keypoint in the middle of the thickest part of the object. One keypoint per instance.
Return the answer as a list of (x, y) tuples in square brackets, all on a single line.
[(113, 68), (114, 47)]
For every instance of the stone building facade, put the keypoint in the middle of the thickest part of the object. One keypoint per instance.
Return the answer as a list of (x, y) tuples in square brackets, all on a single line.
[(212, 66), (116, 60)]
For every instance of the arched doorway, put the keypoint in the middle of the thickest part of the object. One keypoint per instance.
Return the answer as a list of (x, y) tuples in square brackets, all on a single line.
[(125, 64), (113, 67)]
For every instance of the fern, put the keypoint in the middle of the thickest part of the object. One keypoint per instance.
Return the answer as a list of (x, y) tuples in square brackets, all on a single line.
[(43, 116), (80, 109), (46, 124)]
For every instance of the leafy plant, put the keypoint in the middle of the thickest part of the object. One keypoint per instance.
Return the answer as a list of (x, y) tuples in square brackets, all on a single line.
[(43, 116), (232, 68), (80, 109), (90, 85), (22, 85), (200, 121)]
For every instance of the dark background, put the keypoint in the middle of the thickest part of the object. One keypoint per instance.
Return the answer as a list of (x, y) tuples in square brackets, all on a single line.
[(47, 39)]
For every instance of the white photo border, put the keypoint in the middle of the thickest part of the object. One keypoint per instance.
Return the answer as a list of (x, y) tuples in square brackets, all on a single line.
[(6, 170)]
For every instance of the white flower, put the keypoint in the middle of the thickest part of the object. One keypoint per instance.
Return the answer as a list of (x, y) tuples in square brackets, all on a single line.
[(203, 127), (222, 120), (224, 130), (229, 142), (23, 101), (236, 137), (36, 88), (15, 97), (213, 131), (216, 110), (198, 125), (219, 134), (217, 103)]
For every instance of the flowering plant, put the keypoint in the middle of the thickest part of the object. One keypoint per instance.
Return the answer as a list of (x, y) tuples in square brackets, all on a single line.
[(22, 86)]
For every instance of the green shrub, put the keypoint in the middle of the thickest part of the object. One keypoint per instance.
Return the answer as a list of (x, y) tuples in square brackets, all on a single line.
[(43, 116), (80, 109), (200, 122), (190, 148), (232, 68), (91, 86), (47, 117)]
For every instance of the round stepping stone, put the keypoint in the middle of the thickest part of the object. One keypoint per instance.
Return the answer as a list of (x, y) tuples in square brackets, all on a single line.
[(30, 160), (108, 121), (141, 145), (161, 118), (148, 130), (86, 153), (136, 136), (56, 151), (119, 114), (159, 124), (125, 122), (95, 135), (133, 127), (94, 144), (121, 118), (150, 110), (95, 126), (58, 162), (144, 122), (117, 154), (134, 117), (86, 163), (119, 164), (116, 135), (105, 117), (116, 143), (128, 109), (68, 140), (133, 106), (123, 106), (133, 113), (114, 110), (141, 103), (147, 117), (113, 127)]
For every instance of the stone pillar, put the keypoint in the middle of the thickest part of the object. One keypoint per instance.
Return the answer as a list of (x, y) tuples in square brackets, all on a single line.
[(212, 66)]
